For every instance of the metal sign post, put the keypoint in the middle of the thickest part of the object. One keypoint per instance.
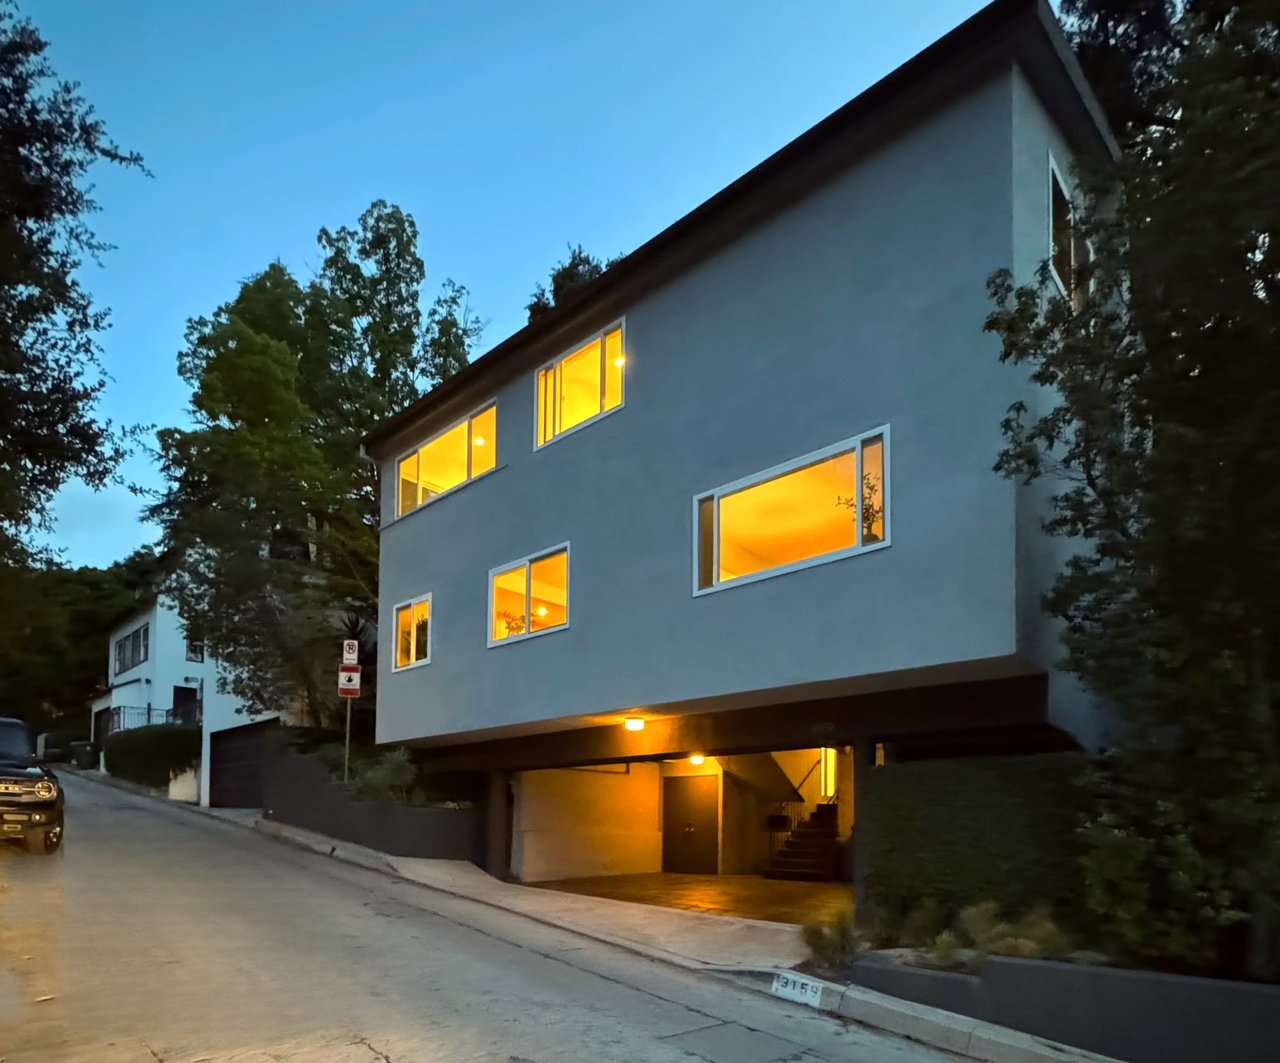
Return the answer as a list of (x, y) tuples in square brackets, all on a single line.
[(348, 688)]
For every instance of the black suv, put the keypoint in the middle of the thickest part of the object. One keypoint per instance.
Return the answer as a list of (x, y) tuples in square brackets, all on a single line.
[(30, 797)]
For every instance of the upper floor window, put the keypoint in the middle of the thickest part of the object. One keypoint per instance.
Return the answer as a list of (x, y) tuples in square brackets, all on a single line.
[(1068, 250), (530, 596), (460, 453), (132, 649), (413, 632), (820, 507), (581, 386), (195, 650)]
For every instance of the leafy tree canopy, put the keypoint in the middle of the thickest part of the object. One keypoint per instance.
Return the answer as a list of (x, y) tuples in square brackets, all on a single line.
[(269, 511), (50, 380), (568, 276), (1158, 404)]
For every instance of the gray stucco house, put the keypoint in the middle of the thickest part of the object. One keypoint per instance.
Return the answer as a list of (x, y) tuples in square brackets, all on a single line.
[(723, 528)]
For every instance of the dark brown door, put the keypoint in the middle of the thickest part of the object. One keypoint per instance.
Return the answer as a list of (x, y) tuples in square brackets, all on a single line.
[(690, 824)]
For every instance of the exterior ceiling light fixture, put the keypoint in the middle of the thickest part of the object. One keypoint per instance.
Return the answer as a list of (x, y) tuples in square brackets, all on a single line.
[(696, 758), (633, 723)]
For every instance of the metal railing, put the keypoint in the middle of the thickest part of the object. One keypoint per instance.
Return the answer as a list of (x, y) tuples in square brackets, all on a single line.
[(127, 717), (792, 810)]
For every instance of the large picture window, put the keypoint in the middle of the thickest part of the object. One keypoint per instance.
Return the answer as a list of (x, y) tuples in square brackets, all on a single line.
[(530, 596), (581, 386), (466, 450), (413, 632), (820, 507)]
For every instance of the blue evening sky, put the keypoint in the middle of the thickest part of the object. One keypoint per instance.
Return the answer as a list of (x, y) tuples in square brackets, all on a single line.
[(507, 129)]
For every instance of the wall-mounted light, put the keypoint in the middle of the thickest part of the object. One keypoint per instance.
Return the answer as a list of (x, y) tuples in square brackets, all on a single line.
[(633, 723), (696, 758)]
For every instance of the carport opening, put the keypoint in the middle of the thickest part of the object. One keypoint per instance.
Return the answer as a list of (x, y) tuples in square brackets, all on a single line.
[(758, 835)]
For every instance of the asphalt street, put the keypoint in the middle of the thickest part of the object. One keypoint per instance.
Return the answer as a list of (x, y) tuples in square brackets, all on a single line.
[(161, 935)]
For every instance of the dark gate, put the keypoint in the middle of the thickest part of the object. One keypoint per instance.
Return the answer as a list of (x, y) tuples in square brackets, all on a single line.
[(691, 824), (238, 759)]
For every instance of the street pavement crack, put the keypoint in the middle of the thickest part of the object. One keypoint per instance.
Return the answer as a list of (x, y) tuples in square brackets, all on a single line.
[(376, 1051)]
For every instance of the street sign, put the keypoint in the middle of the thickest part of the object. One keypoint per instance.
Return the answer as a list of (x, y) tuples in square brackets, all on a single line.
[(348, 680), (350, 651)]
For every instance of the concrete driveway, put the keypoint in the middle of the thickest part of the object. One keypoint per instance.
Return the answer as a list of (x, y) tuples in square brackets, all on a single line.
[(161, 935)]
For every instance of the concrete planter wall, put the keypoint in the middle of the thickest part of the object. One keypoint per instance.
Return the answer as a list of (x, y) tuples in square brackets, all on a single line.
[(1140, 1016), (298, 790)]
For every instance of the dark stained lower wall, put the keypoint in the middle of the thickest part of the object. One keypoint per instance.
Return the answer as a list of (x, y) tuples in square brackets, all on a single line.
[(298, 790), (1139, 1016)]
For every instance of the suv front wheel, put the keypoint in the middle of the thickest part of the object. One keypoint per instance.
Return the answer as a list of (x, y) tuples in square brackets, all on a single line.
[(44, 842)]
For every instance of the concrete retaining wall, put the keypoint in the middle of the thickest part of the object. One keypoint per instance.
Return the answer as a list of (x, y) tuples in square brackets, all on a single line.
[(298, 790), (1140, 1016)]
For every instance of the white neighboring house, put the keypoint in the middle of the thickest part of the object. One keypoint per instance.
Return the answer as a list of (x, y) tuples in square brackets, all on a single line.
[(157, 675)]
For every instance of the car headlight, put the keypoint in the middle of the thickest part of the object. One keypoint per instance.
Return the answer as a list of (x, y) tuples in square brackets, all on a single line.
[(45, 789)]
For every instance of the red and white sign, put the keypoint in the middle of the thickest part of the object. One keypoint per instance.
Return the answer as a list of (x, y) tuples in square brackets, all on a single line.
[(348, 680), (350, 651)]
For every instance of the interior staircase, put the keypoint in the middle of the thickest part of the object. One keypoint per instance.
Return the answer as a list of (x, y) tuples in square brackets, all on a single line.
[(811, 852)]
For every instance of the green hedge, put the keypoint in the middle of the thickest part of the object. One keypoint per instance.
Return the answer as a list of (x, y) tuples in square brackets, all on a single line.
[(152, 755), (962, 831)]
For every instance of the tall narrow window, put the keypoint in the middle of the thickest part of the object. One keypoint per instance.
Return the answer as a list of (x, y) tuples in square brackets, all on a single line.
[(529, 596), (583, 385), (821, 507), (1069, 251), (413, 632), (460, 453)]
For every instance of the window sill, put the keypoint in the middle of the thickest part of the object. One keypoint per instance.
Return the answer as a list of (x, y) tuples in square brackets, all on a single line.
[(576, 428), (786, 570), (527, 636), (397, 668), (442, 495)]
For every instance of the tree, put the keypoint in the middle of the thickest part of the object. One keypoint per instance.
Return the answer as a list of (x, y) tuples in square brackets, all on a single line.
[(567, 277), (269, 511), (49, 369), (1166, 393)]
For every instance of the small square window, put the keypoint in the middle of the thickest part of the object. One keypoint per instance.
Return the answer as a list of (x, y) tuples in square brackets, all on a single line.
[(530, 596), (413, 633)]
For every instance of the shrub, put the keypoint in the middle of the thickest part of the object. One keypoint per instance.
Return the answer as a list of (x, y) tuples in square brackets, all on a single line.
[(388, 777), (923, 925), (152, 755), (959, 832), (835, 944)]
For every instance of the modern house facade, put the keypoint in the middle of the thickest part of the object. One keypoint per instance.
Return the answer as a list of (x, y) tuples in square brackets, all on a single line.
[(676, 563), (156, 674)]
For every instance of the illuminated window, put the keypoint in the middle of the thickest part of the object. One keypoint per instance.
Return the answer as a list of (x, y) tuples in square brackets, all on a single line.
[(1069, 252), (582, 385), (460, 453), (827, 783), (820, 507), (530, 596), (413, 632)]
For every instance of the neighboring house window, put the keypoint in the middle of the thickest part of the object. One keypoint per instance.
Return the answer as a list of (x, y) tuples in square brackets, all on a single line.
[(580, 386), (460, 453), (1068, 250), (195, 650), (413, 632), (132, 649), (820, 507), (530, 596)]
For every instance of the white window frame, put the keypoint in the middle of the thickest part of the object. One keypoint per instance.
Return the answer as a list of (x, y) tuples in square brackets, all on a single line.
[(1067, 291), (528, 561), (853, 443), (431, 439), (621, 326), (395, 632)]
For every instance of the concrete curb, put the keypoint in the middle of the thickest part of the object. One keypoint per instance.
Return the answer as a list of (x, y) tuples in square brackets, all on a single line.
[(960, 1034), (138, 790), (930, 1026)]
